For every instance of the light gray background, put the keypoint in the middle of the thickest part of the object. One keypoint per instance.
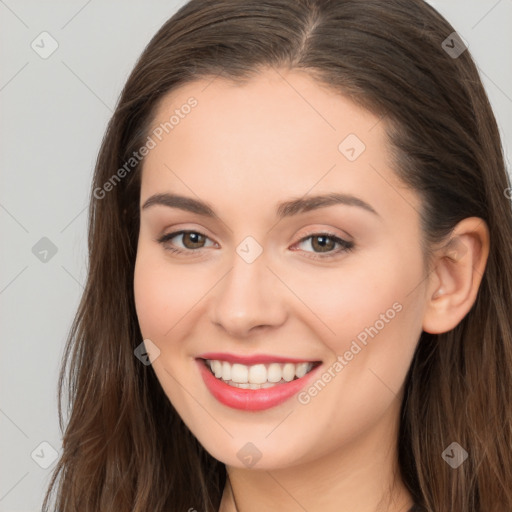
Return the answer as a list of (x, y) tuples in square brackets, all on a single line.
[(54, 113)]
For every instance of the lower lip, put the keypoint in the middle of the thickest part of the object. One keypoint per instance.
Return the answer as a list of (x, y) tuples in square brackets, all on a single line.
[(252, 399)]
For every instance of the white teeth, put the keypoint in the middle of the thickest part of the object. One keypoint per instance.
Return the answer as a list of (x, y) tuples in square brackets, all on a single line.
[(248, 385), (274, 372), (240, 373), (217, 368), (289, 372), (226, 371), (258, 375), (301, 370)]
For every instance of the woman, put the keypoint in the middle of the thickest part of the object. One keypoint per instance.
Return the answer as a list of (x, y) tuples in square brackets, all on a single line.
[(299, 286)]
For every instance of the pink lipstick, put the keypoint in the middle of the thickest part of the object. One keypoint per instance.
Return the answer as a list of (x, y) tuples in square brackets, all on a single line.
[(272, 395)]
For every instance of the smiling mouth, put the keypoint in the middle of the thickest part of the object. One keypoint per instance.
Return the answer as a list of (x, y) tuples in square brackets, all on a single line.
[(258, 376)]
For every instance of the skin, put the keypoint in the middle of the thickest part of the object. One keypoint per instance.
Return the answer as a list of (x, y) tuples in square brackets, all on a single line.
[(244, 149)]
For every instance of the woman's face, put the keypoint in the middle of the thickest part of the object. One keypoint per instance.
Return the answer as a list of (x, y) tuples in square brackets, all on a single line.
[(262, 283)]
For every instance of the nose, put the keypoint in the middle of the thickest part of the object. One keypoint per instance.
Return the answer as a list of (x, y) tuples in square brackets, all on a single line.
[(249, 298)]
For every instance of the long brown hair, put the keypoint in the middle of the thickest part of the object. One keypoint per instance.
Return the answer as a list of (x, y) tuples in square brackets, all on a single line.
[(125, 448)]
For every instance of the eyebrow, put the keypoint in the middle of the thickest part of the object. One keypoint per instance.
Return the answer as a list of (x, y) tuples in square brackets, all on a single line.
[(284, 209)]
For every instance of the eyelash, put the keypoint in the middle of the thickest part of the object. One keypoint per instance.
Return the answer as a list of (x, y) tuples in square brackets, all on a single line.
[(346, 246)]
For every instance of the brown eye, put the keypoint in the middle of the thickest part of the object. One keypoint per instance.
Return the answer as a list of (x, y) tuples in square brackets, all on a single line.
[(194, 239), (324, 244), (190, 240)]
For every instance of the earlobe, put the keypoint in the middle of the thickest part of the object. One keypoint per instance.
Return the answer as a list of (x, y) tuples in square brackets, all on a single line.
[(458, 271)]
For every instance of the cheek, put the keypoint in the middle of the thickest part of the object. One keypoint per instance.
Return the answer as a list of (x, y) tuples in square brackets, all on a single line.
[(347, 298), (156, 300), (168, 294), (367, 300)]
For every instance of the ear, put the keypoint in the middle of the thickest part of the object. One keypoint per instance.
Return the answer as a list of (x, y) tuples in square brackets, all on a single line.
[(458, 268)]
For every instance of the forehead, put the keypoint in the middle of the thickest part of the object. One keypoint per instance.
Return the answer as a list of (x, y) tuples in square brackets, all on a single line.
[(289, 101), (280, 134)]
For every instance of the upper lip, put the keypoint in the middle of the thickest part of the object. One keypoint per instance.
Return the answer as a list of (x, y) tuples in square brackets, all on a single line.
[(252, 359)]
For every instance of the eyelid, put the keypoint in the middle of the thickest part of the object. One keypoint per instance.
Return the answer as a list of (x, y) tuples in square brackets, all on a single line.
[(163, 239), (345, 245), (320, 230)]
